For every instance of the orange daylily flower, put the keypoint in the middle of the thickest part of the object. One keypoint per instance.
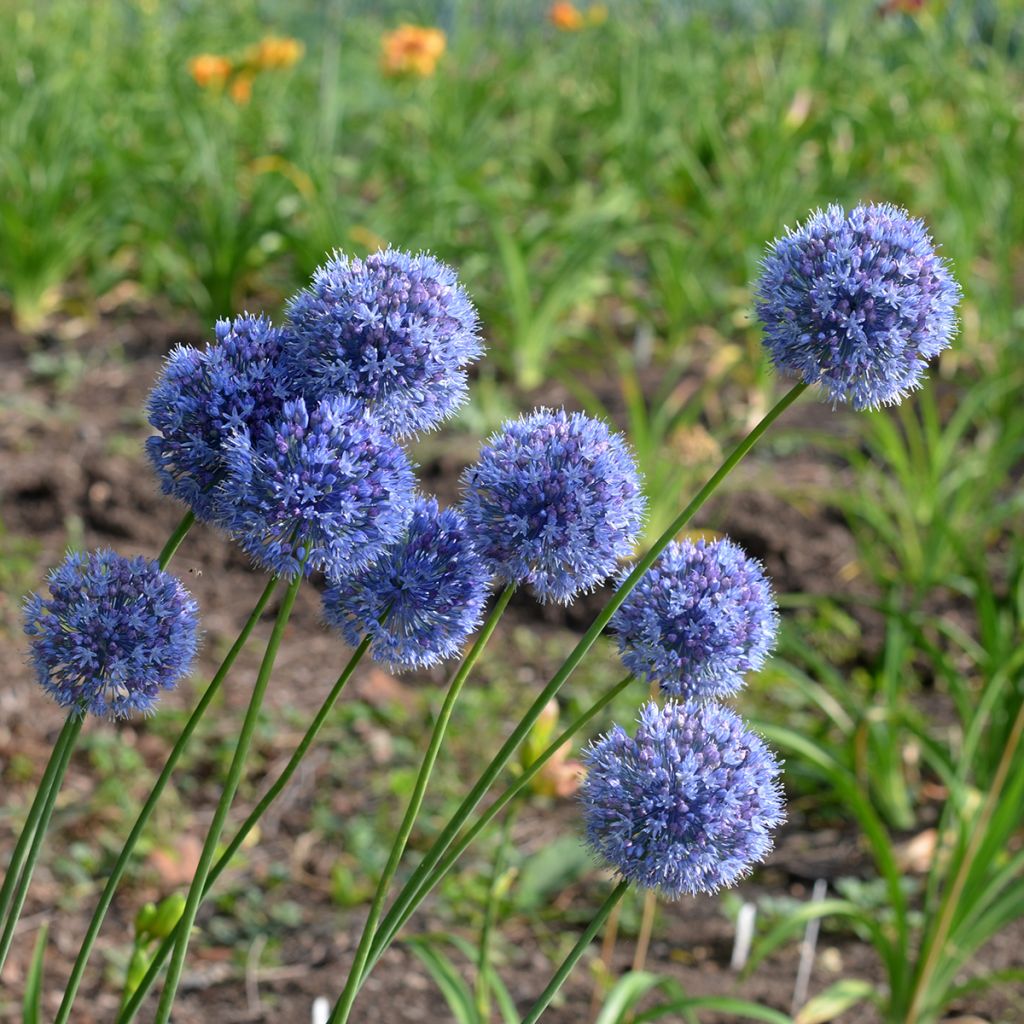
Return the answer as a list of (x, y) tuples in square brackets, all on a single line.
[(240, 89), (276, 52), (412, 49), (566, 17), (209, 69)]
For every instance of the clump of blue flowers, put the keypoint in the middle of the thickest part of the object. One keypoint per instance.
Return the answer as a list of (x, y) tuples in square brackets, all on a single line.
[(688, 804), (113, 633), (422, 599), (203, 398), (395, 331), (323, 488), (857, 303), (555, 502), (699, 619)]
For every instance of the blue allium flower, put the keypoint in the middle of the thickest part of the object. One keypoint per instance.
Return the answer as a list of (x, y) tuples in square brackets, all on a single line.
[(554, 501), (395, 331), (857, 303), (687, 805), (113, 633), (700, 617), (203, 397), (324, 485), (422, 599)]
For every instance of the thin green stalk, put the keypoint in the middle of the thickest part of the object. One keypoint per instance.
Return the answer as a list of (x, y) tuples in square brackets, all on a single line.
[(175, 539), (69, 734), (343, 1007), (936, 944), (577, 951), (419, 885), (589, 638), (28, 830), (483, 989), (131, 1006), (158, 787), (231, 783)]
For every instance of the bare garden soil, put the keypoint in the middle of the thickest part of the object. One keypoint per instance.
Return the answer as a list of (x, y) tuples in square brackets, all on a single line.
[(71, 427)]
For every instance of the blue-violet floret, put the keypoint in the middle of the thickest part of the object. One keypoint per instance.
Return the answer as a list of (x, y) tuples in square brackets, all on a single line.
[(554, 501), (688, 805), (324, 488), (857, 304), (699, 619), (396, 331), (204, 397), (422, 599), (113, 633)]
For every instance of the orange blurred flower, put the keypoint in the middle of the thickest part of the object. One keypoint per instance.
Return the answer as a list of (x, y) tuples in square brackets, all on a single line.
[(412, 49), (240, 89), (276, 52), (566, 17), (209, 69), (597, 15)]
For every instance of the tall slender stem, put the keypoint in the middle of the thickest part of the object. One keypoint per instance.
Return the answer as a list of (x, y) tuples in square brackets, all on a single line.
[(71, 989), (420, 884), (131, 1006), (589, 638), (175, 539), (231, 783), (32, 820), (69, 734), (577, 951), (344, 1005), (979, 827)]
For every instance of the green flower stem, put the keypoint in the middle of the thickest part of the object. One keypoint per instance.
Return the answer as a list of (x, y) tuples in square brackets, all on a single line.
[(29, 828), (482, 995), (41, 811), (119, 868), (577, 951), (419, 885), (589, 638), (131, 1006), (231, 783), (175, 539), (343, 1007)]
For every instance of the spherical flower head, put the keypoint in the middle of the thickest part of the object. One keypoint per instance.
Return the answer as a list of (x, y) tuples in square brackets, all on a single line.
[(699, 619), (422, 599), (395, 331), (554, 501), (688, 805), (324, 488), (857, 304), (202, 398), (113, 633)]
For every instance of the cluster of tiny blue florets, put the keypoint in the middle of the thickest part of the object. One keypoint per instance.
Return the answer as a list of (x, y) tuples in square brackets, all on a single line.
[(203, 398), (422, 599), (554, 501), (395, 331), (323, 488), (688, 804), (113, 633), (699, 619), (857, 303)]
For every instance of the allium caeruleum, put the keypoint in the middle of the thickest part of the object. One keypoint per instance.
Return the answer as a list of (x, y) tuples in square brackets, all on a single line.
[(422, 599), (700, 617), (113, 633), (325, 485), (688, 805), (395, 331), (857, 303), (554, 501), (203, 397)]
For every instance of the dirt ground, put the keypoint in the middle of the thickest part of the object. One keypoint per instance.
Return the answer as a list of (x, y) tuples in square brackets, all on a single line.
[(71, 425)]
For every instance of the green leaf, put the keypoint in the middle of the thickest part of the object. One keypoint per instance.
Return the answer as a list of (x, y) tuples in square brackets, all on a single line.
[(629, 990), (453, 987), (549, 870), (30, 1013), (721, 1004), (835, 1000)]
